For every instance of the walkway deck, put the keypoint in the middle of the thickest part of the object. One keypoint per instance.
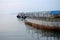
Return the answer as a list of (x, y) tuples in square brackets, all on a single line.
[(46, 23), (43, 24)]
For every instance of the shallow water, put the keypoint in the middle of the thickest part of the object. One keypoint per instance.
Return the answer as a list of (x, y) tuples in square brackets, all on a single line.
[(12, 28)]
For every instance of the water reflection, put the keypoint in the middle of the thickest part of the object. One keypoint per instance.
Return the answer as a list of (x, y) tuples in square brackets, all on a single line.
[(12, 28), (43, 34), (20, 19)]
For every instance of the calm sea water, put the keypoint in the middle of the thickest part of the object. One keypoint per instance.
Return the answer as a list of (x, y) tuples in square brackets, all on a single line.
[(12, 28)]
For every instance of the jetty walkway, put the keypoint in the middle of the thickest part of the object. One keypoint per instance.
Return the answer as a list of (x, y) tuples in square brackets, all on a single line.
[(42, 24)]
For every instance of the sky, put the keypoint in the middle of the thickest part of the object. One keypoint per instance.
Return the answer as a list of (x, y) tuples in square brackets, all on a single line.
[(15, 6)]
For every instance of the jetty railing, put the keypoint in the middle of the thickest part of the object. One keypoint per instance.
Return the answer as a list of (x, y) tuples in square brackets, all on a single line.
[(43, 16)]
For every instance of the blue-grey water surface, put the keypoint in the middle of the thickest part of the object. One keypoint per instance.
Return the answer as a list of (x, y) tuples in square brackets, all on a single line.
[(12, 28)]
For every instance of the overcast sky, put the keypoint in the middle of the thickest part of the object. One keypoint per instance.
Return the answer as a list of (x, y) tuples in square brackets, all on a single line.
[(14, 6)]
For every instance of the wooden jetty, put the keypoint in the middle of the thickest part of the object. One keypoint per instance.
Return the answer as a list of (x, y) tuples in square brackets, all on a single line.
[(42, 25), (49, 20)]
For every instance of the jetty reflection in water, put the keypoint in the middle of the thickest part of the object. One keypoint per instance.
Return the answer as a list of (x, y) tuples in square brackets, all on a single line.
[(43, 34), (20, 19)]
